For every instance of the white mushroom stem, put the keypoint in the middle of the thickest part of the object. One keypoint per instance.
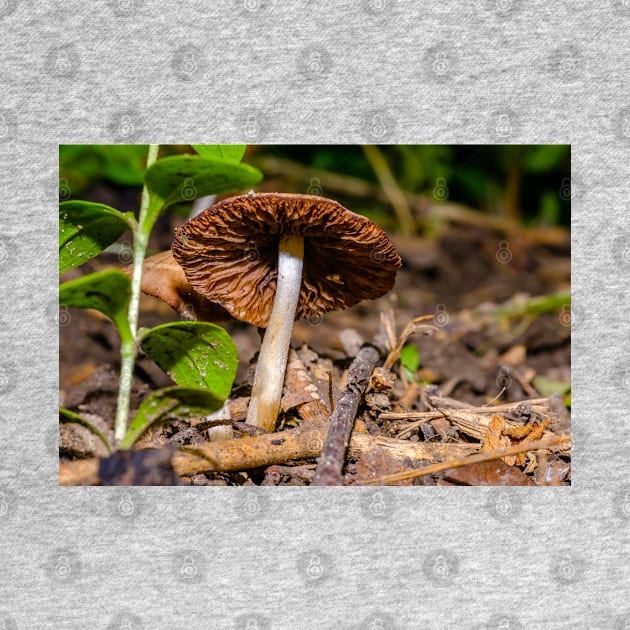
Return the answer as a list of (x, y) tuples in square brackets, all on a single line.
[(274, 351)]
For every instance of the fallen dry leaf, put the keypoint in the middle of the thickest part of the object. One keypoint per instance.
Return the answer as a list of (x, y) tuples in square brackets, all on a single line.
[(492, 473)]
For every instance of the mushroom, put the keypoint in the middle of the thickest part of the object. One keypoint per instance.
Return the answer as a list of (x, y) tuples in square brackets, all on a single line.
[(270, 258), (163, 278)]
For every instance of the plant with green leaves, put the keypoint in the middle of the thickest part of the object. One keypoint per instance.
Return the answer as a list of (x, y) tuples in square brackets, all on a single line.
[(200, 357)]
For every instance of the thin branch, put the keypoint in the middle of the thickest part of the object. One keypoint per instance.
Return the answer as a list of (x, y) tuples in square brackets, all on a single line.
[(330, 464), (272, 448), (472, 459)]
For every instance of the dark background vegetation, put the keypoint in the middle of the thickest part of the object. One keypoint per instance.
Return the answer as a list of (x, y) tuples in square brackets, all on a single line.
[(530, 183)]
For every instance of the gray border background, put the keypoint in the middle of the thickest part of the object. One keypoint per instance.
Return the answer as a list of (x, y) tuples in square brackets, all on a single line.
[(356, 71)]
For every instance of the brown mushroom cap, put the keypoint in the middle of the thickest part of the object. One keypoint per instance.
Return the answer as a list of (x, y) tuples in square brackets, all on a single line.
[(229, 254), (163, 278)]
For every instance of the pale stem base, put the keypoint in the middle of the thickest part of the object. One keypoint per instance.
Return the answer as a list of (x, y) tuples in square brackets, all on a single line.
[(274, 351)]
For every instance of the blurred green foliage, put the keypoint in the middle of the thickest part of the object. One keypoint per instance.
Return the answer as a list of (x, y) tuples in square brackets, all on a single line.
[(528, 183), (81, 164)]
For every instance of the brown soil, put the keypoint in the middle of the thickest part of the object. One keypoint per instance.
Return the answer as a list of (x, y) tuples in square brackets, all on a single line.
[(476, 356)]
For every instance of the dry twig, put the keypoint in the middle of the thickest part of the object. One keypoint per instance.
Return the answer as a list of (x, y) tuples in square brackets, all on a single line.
[(498, 453), (330, 465)]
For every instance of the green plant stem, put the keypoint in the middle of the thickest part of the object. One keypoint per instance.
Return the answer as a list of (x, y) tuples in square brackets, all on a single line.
[(128, 344), (537, 305)]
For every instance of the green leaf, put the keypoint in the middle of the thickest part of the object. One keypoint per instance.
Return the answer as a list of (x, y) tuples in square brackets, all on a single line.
[(86, 229), (193, 354), (543, 158), (225, 152), (410, 358), (123, 164), (546, 386), (106, 291), (82, 164), (164, 404), (66, 416), (188, 177)]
